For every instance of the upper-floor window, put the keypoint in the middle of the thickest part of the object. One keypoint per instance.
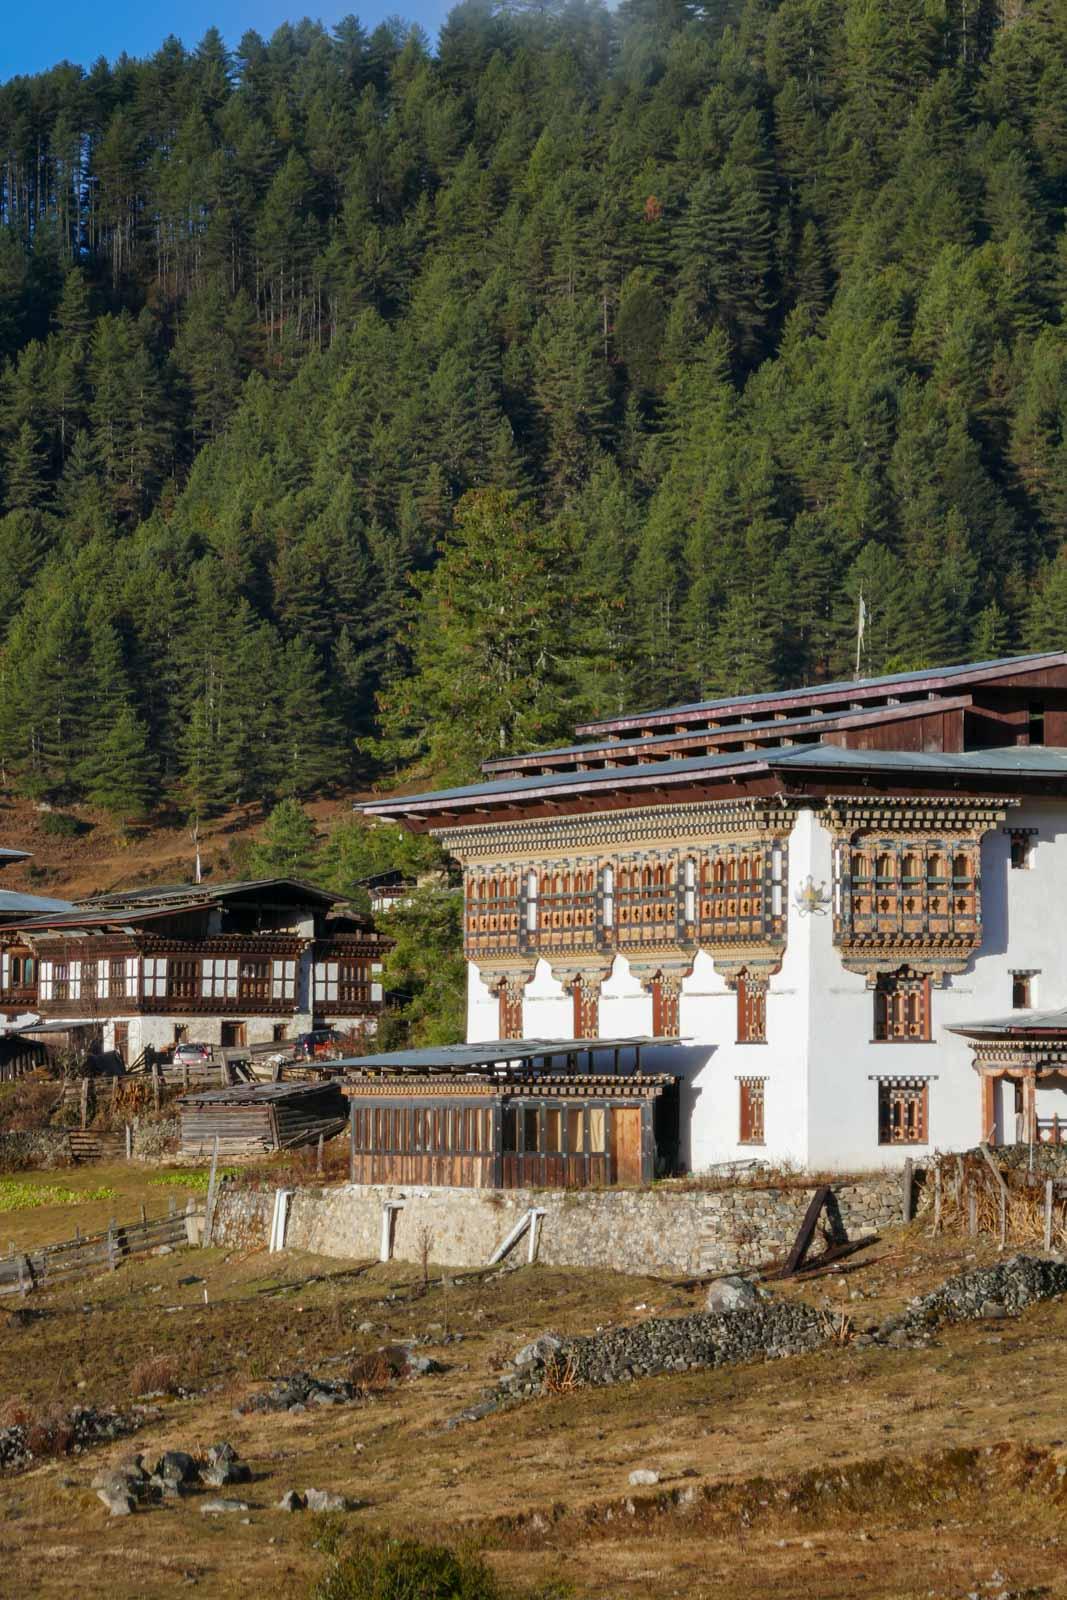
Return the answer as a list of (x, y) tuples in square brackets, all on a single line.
[(1022, 991), (902, 1006)]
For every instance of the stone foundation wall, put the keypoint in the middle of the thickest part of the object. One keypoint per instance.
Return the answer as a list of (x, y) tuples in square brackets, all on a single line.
[(642, 1231)]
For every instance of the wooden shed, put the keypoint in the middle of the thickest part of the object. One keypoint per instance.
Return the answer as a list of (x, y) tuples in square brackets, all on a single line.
[(255, 1118), (507, 1115)]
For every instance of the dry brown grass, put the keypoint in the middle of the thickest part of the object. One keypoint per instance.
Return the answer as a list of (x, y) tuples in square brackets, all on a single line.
[(1024, 1206), (914, 1506), (164, 1374)]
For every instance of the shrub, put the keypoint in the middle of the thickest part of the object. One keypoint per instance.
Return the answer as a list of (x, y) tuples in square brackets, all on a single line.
[(404, 1569), (60, 825), (159, 1375)]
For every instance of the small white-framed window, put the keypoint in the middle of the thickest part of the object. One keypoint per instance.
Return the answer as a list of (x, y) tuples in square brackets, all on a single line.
[(531, 902), (48, 980), (690, 890), (777, 891), (327, 977), (608, 884), (155, 977), (75, 991), (283, 980)]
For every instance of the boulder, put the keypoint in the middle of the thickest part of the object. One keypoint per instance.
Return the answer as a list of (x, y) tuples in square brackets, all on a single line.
[(119, 1501), (540, 1349), (219, 1508), (176, 1466), (732, 1294), (643, 1478), (323, 1500), (291, 1501)]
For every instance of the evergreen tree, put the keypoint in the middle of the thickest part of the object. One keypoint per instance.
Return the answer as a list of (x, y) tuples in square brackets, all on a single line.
[(122, 775), (286, 846)]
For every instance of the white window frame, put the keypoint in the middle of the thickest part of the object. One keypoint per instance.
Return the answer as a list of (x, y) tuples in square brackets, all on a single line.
[(154, 979), (608, 887), (283, 980), (327, 978)]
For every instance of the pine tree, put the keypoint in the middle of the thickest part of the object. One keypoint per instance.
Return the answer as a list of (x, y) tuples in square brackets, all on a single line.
[(123, 777), (286, 846)]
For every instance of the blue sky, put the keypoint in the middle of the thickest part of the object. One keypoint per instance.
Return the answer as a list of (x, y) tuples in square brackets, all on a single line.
[(75, 31)]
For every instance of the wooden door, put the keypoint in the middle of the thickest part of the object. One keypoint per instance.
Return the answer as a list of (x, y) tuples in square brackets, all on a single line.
[(122, 1041), (234, 1034), (626, 1144)]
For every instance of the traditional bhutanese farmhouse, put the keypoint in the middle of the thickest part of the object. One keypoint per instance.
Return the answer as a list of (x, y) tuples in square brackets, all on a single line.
[(826, 893), (222, 964)]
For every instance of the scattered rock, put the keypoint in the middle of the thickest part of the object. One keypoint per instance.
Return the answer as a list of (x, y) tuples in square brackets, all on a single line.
[(217, 1474), (163, 1250), (324, 1500), (732, 1294), (218, 1508), (643, 1477), (291, 1501)]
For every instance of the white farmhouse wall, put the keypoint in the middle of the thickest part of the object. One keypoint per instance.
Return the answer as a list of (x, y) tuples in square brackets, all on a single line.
[(821, 1063)]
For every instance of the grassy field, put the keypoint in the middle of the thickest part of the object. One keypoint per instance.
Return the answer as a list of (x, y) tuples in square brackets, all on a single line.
[(891, 1473)]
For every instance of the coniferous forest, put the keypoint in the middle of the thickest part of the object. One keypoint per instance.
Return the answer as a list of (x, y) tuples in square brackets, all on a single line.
[(370, 404)]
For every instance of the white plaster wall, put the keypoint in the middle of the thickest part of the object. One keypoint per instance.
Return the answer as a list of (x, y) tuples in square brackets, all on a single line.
[(821, 1062), (1020, 930), (483, 1008), (708, 1016), (547, 1008)]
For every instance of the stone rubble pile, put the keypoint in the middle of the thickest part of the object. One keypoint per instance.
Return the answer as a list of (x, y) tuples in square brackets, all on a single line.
[(301, 1390), (131, 1484), (766, 1331), (81, 1427), (999, 1291)]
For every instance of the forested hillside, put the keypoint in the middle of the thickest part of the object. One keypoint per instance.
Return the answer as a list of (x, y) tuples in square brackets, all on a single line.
[(369, 405)]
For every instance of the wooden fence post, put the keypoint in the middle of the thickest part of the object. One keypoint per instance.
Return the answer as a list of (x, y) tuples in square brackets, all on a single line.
[(112, 1247), (937, 1199), (85, 1102), (907, 1198), (972, 1210), (129, 1141), (318, 1158), (209, 1206), (155, 1088), (1048, 1213)]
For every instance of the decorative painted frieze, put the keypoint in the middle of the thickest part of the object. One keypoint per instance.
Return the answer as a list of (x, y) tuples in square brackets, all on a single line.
[(712, 878)]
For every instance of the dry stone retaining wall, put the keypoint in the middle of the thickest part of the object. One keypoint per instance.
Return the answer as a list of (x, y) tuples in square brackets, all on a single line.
[(653, 1231)]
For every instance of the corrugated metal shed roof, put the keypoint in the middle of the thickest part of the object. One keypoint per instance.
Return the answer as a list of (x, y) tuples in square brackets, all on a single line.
[(491, 1053), (256, 1093), (15, 904)]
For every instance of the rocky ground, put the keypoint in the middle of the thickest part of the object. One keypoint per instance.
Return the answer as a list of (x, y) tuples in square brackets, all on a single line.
[(914, 1469)]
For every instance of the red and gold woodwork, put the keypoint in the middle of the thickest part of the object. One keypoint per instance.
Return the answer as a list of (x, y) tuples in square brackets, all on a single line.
[(907, 881), (655, 886)]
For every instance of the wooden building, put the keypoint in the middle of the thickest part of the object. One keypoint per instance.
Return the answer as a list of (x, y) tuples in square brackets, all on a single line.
[(512, 1117), (251, 1120), (227, 964), (816, 888)]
